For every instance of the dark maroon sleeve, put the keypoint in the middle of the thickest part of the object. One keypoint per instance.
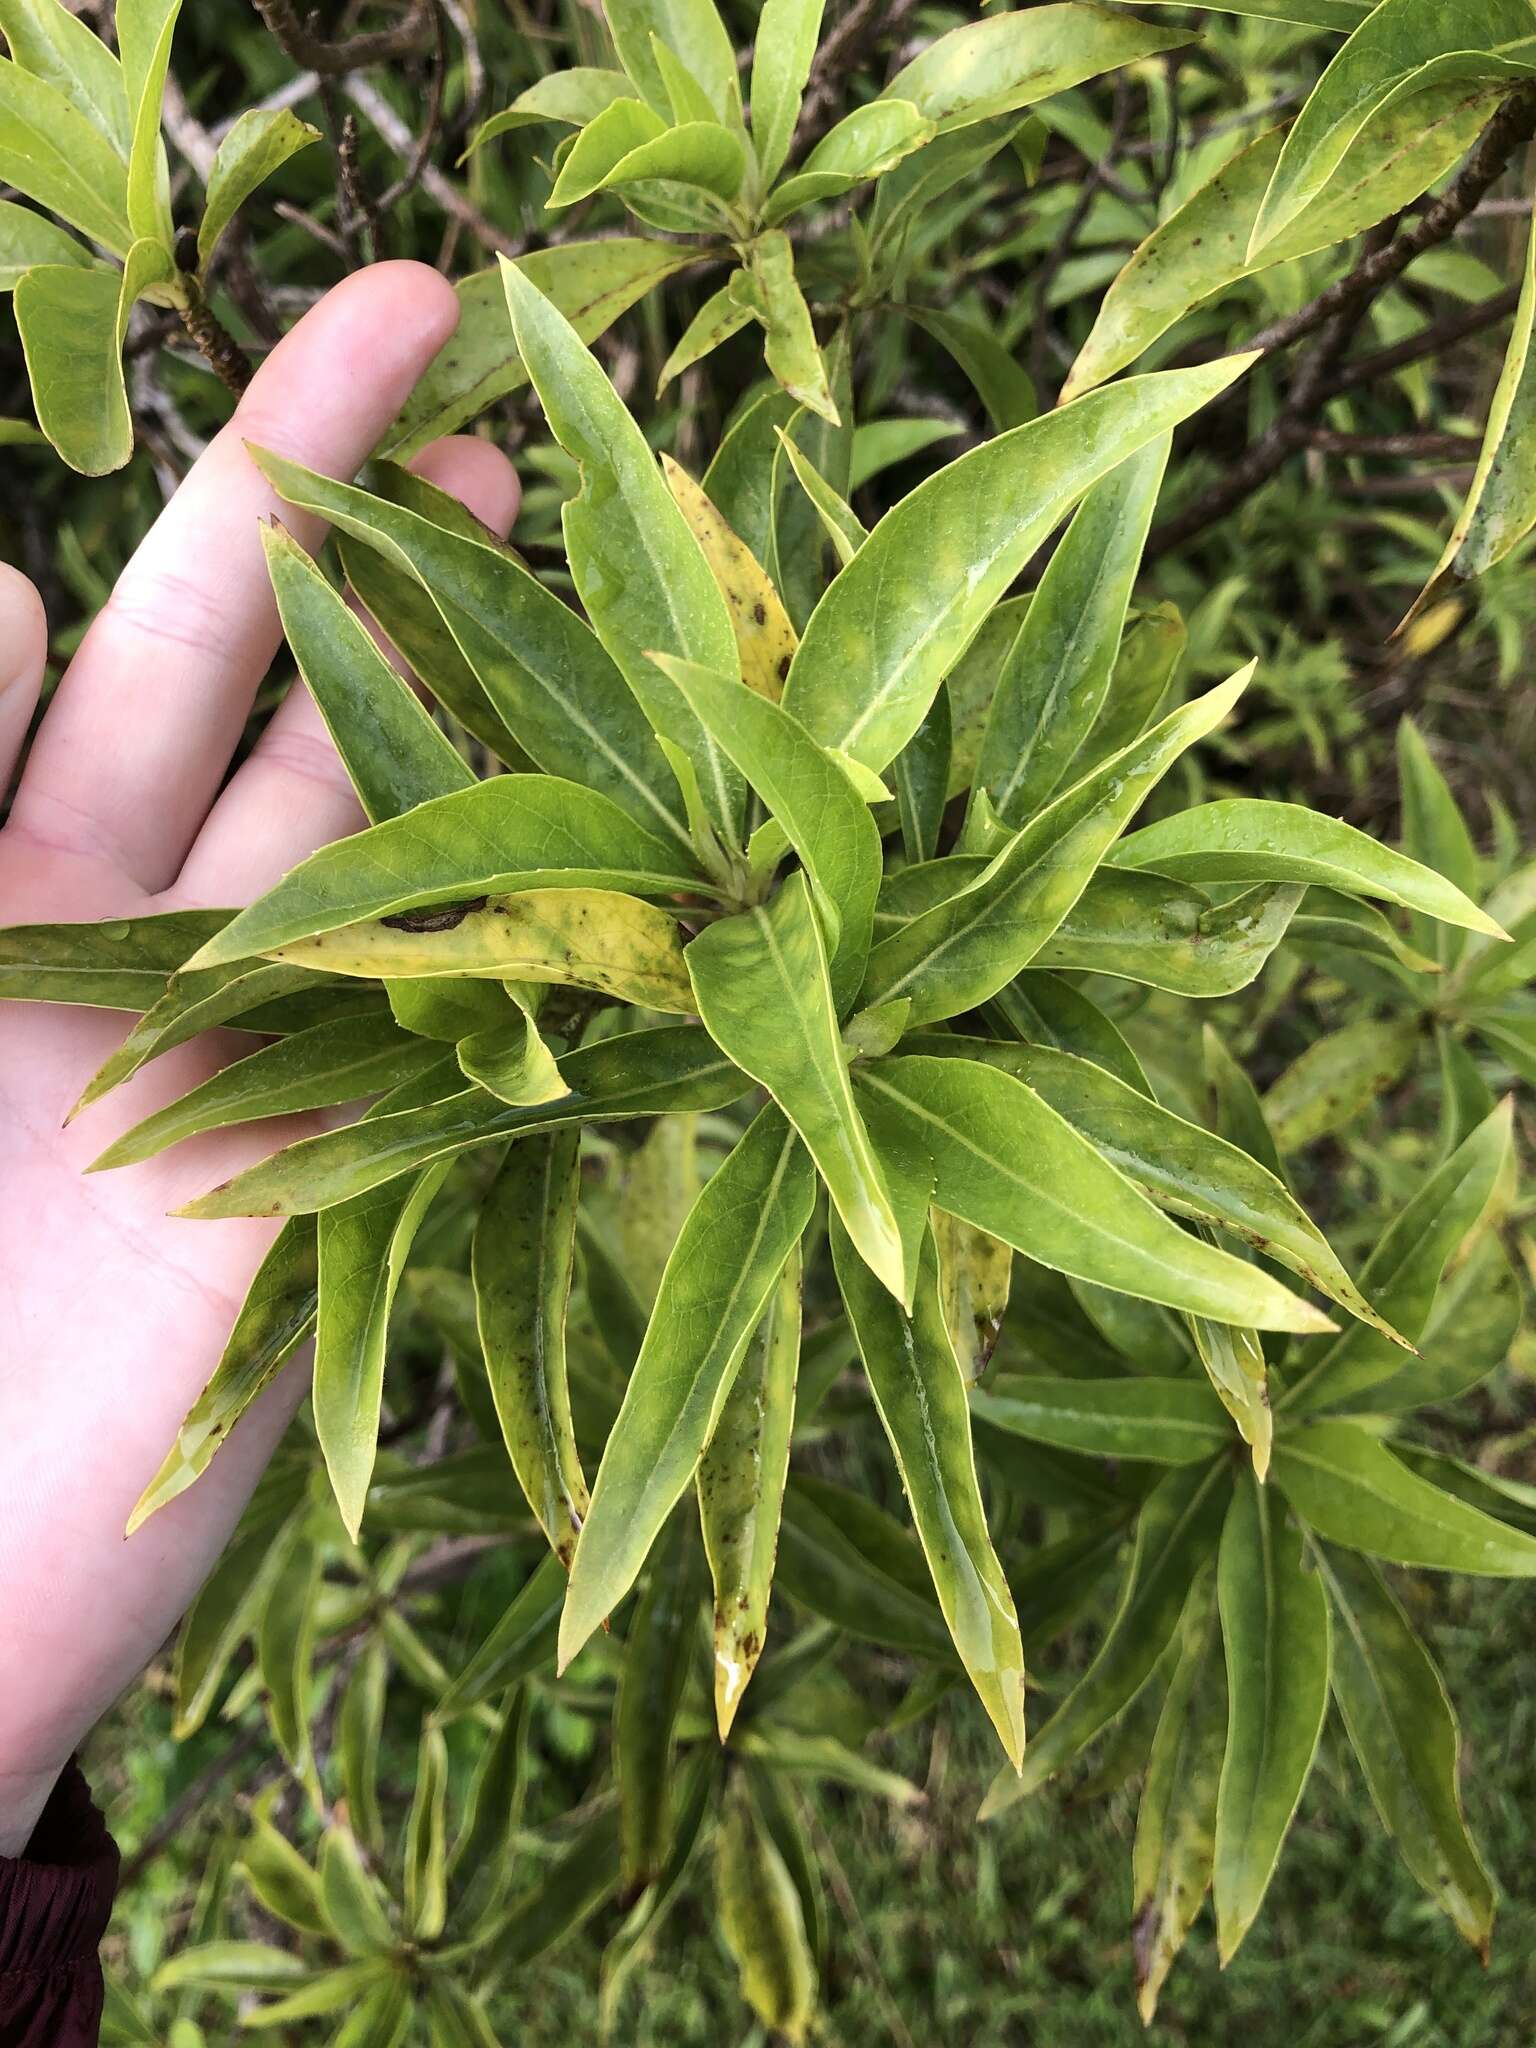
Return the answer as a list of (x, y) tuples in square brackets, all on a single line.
[(54, 1906)]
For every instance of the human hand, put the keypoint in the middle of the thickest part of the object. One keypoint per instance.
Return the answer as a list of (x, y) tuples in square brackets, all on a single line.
[(114, 1312)]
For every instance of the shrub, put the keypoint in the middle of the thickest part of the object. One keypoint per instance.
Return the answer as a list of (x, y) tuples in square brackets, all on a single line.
[(757, 1064)]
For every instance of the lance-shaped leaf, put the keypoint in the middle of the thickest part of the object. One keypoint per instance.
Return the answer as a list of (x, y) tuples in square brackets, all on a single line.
[(1042, 1009), (1244, 839), (1337, 1078), (1169, 934), (954, 956), (1176, 1820), (622, 129), (975, 1276), (844, 528), (1402, 47), (863, 145), (364, 1244), (1275, 1628), (787, 33), (765, 638), (1476, 1317), (524, 1249), (769, 286), (1010, 61), (1500, 507), (920, 1393), (513, 832), (763, 1921), (1403, 1730), (342, 1061), (644, 1073), (52, 44), (1169, 1422), (716, 1285), (1181, 1165), (144, 30), (1403, 1272), (641, 575), (276, 1315), (260, 142), (721, 315), (1057, 673), (231, 1603), (658, 1662), (591, 282), (541, 671), (1177, 1531), (824, 817), (579, 938), (115, 963), (1347, 1486), (692, 30), (54, 153), (572, 97), (426, 1839), (761, 986), (741, 1491), (512, 1060), (908, 604), (1237, 1366), (393, 752), (1008, 1162), (846, 1560), (1202, 247), (521, 1642), (285, 1646)]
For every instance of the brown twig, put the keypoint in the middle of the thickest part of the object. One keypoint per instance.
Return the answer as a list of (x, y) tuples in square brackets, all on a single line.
[(1413, 447), (333, 60), (1431, 340), (218, 347)]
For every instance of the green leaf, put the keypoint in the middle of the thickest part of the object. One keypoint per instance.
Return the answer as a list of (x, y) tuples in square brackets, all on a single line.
[(364, 1244), (426, 1839), (337, 1988), (524, 1249), (231, 1603), (644, 1073), (761, 987), (232, 1965), (259, 143), (578, 938), (787, 34), (1237, 1366), (481, 1863), (1177, 1531), (965, 949), (693, 31), (276, 1315), (1404, 1271), (1476, 1317), (285, 1646), (844, 528), (1169, 1422), (1176, 1820), (721, 315), (1338, 15), (61, 50), (144, 31), (1403, 1729), (57, 156), (996, 66), (117, 963), (762, 1920), (1500, 507), (921, 775), (282, 1881), (769, 286), (845, 1559), (513, 832), (623, 127), (331, 1063), (658, 1660), (920, 1393), (395, 755), (906, 607), (716, 1285), (824, 818), (591, 282), (639, 571), (865, 144), (1170, 935), (380, 2018), (1056, 677), (975, 1277), (1003, 1159), (1244, 839), (1338, 1077), (28, 239), (72, 324), (1392, 53), (1275, 1626), (700, 153), (522, 1642), (540, 671), (740, 1482), (359, 1730), (1348, 1487), (572, 97), (353, 1901), (1202, 248)]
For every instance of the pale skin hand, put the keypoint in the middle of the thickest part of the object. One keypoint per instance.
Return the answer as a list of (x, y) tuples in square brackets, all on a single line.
[(112, 1313)]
